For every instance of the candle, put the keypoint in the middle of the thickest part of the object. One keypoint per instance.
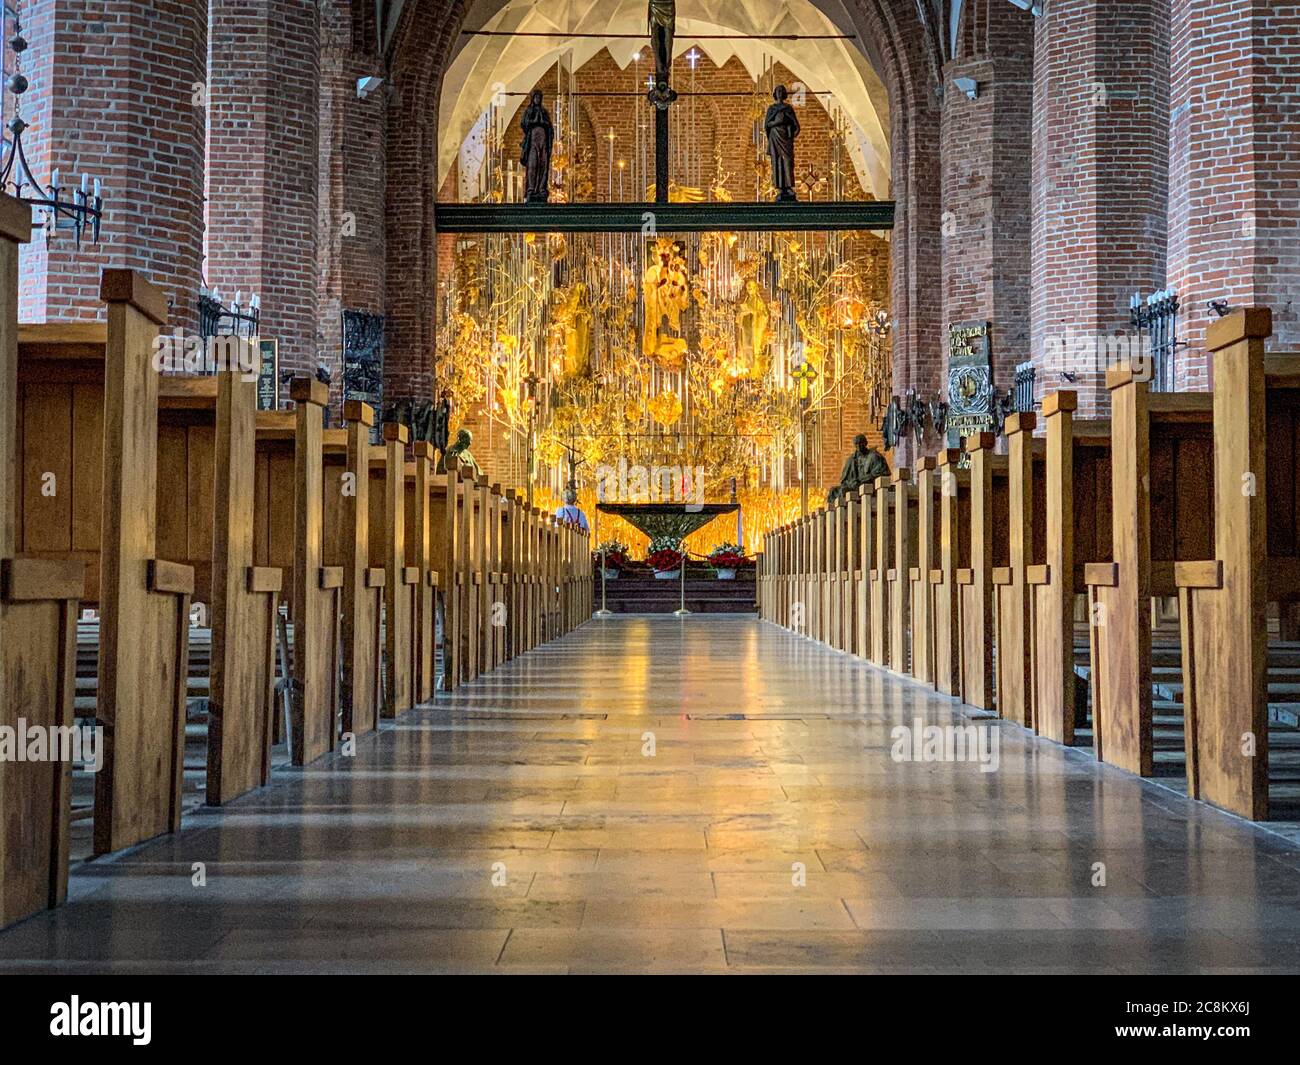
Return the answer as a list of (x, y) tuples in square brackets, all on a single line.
[(99, 189), (54, 180)]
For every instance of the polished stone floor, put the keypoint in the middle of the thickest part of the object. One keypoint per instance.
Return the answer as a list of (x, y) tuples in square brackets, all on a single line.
[(713, 795)]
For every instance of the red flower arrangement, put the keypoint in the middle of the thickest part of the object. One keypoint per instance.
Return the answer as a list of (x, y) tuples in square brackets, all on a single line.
[(665, 560), (613, 553), (664, 554), (727, 556)]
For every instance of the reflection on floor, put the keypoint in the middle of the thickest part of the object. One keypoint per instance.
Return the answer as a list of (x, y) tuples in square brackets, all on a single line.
[(712, 794)]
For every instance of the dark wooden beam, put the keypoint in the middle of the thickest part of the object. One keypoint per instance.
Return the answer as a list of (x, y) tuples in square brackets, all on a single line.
[(666, 218)]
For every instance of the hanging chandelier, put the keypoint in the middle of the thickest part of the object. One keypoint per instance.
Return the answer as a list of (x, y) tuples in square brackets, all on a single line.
[(80, 209)]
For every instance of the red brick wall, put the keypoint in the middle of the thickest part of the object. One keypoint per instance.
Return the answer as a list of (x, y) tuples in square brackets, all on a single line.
[(986, 182), (353, 152), (1234, 203), (114, 96), (1099, 174), (263, 165)]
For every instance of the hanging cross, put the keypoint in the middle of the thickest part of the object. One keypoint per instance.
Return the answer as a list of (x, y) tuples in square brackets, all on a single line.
[(662, 17), (805, 373)]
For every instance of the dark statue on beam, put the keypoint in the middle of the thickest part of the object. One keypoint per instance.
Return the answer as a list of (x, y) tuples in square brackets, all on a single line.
[(535, 155), (782, 127), (662, 17)]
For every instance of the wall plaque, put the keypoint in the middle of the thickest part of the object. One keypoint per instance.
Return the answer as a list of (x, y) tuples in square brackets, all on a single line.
[(971, 396)]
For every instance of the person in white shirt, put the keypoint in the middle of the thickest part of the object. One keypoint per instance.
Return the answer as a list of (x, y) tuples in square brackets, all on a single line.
[(571, 512)]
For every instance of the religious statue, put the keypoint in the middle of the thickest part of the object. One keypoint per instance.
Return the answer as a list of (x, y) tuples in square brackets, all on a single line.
[(753, 320), (440, 430), (782, 127), (665, 292), (862, 467), (574, 319), (458, 455), (535, 155), (662, 17)]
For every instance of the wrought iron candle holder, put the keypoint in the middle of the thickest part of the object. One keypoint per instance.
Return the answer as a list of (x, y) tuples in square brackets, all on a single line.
[(79, 209)]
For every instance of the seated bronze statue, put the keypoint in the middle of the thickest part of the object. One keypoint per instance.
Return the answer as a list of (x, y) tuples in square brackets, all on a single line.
[(459, 454), (861, 467)]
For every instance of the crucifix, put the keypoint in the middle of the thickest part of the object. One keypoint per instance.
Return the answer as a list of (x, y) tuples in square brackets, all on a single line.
[(530, 384), (805, 374), (662, 18)]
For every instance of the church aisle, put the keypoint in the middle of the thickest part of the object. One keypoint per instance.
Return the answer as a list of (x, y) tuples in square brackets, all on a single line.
[(702, 796)]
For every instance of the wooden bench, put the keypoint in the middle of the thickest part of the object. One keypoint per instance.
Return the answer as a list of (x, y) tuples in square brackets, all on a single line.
[(352, 492), (205, 494), (988, 488), (924, 575), (899, 573), (38, 644), (1076, 507), (878, 580), (953, 558), (1023, 526), (1162, 512), (1255, 561), (88, 439)]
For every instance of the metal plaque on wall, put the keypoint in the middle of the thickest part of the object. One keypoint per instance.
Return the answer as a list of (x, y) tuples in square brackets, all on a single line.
[(363, 361), (268, 375), (971, 394)]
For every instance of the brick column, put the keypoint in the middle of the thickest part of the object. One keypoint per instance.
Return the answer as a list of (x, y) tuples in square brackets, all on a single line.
[(263, 167), (1234, 167), (353, 151), (1100, 170), (117, 93), (986, 184)]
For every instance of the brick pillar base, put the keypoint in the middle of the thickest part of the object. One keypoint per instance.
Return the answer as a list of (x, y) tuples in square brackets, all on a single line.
[(1100, 166), (262, 172), (1234, 204), (986, 178), (118, 93)]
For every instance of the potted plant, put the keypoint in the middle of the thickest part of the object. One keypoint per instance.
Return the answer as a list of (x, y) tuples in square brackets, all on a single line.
[(611, 556), (665, 557), (725, 560)]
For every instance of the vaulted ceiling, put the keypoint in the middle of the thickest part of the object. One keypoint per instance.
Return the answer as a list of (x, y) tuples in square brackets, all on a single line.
[(485, 66)]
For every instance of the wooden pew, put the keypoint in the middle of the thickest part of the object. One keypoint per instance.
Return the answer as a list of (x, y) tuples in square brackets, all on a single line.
[(38, 645), (204, 514), (899, 572), (846, 567), (201, 516), (422, 506), (975, 581), (1077, 526), (451, 573), (361, 683), (953, 558), (205, 501), (1162, 507), (317, 589), (864, 577), (1024, 526), (401, 579), (496, 616), (922, 575), (144, 601), (879, 581), (1255, 560)]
